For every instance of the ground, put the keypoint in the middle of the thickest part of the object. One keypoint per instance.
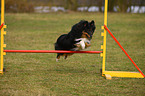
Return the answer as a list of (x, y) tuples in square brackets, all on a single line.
[(39, 74)]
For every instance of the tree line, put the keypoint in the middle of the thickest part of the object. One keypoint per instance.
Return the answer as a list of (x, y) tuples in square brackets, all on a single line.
[(28, 5)]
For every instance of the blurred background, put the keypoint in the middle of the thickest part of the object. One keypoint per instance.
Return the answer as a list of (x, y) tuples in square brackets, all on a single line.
[(47, 6)]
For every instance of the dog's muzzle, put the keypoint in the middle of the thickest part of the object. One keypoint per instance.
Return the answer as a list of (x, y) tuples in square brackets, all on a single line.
[(87, 35)]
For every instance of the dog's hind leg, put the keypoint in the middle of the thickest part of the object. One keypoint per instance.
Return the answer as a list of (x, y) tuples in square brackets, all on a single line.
[(65, 56), (57, 57), (68, 54)]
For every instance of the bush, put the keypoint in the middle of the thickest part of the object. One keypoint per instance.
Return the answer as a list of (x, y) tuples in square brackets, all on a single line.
[(20, 6)]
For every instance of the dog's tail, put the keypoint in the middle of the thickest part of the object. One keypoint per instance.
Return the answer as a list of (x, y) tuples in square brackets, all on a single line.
[(56, 46)]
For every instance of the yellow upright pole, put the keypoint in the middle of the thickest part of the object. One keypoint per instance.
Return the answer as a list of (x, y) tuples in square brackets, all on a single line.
[(2, 37), (104, 39)]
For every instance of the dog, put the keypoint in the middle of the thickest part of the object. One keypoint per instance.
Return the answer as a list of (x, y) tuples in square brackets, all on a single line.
[(82, 31)]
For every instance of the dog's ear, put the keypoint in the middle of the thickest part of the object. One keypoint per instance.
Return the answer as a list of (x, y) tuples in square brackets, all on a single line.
[(92, 22), (85, 23)]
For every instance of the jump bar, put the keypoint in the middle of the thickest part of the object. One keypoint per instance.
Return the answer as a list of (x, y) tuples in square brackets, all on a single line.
[(51, 51)]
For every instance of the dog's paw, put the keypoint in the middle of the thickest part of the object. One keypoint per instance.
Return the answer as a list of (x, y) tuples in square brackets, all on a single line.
[(87, 44), (57, 60), (77, 45)]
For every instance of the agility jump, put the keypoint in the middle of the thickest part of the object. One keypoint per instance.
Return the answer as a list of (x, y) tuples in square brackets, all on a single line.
[(106, 74)]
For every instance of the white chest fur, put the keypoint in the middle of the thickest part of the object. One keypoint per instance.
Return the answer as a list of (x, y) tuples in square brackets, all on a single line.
[(82, 42)]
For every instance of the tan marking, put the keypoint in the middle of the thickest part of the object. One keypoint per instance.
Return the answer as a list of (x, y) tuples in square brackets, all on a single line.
[(58, 57), (65, 55), (77, 45), (87, 45), (85, 34)]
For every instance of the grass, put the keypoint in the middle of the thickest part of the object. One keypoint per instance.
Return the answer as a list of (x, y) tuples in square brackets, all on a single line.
[(79, 75)]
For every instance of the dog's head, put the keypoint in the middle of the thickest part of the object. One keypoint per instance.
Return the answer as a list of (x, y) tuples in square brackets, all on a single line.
[(83, 29), (78, 28), (89, 30)]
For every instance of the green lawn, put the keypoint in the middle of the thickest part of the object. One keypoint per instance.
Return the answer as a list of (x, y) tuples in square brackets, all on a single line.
[(40, 75)]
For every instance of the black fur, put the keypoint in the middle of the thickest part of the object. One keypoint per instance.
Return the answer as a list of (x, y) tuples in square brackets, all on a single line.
[(67, 41)]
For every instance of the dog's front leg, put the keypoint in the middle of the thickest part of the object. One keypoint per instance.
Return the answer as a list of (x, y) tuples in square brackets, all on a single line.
[(87, 45), (78, 46)]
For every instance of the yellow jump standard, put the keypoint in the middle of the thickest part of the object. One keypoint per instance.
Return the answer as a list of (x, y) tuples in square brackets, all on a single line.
[(2, 36), (109, 74)]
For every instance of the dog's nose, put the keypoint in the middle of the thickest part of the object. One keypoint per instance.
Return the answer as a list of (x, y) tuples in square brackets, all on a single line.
[(90, 38)]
